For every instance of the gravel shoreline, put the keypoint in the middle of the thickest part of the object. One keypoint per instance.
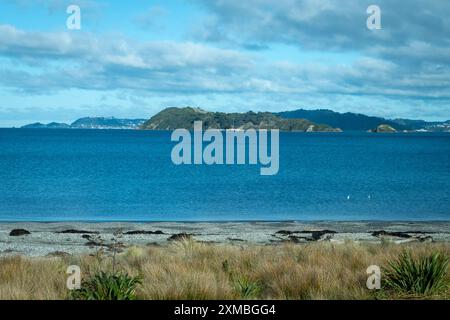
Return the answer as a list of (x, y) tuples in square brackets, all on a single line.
[(59, 238)]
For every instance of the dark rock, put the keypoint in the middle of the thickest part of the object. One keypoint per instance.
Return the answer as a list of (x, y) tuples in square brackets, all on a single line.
[(58, 254), (317, 235), (236, 240), (86, 236), (419, 232), (284, 232), (322, 234), (294, 239), (144, 232), (153, 244), (276, 241), (180, 236), (410, 235), (19, 232), (383, 233), (74, 231), (95, 244), (425, 238), (298, 239)]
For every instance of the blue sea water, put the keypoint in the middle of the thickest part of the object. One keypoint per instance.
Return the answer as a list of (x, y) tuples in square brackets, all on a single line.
[(122, 175)]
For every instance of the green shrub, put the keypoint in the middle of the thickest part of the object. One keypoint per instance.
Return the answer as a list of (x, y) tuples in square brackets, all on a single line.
[(247, 288), (108, 286), (424, 275)]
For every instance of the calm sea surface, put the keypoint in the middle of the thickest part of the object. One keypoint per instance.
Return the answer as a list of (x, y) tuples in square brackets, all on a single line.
[(58, 175)]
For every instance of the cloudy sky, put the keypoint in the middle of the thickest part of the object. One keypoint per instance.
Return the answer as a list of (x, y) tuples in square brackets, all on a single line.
[(133, 58)]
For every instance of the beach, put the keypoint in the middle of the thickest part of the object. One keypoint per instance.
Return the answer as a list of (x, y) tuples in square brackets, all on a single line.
[(37, 239)]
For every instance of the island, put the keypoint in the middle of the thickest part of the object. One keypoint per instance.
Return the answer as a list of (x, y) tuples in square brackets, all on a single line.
[(184, 118), (384, 128)]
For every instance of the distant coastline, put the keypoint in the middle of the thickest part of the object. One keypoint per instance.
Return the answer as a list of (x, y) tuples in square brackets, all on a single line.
[(297, 120), (90, 123)]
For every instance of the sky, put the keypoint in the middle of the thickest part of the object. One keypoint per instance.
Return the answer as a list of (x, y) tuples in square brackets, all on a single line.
[(131, 59)]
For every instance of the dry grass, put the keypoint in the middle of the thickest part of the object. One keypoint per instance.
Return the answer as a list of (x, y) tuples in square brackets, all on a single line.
[(190, 270)]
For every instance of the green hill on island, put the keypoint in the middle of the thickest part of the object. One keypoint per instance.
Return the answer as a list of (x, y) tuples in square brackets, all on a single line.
[(184, 118)]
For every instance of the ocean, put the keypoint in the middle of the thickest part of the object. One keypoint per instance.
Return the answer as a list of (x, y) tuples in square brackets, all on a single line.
[(128, 175)]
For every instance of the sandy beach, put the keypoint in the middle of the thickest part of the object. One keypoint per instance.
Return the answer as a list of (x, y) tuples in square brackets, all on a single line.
[(60, 238)]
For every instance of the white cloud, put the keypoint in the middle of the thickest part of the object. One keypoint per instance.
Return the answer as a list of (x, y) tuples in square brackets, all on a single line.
[(405, 66)]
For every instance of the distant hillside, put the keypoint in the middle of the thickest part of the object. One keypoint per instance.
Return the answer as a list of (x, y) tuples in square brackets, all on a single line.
[(106, 123), (421, 125), (174, 118), (91, 123), (52, 125), (346, 121), (359, 122)]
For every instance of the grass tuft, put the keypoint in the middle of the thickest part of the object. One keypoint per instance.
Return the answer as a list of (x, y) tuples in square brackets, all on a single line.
[(246, 288), (107, 286), (423, 275)]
